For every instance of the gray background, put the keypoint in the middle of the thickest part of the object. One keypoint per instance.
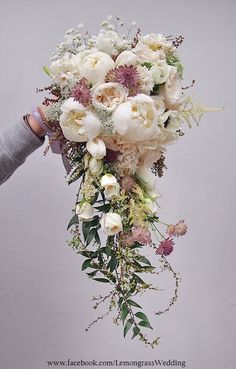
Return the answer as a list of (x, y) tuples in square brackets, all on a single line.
[(44, 297)]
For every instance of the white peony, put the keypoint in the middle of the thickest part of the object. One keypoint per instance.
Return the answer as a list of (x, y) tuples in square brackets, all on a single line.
[(146, 80), (171, 91), (84, 211), (108, 96), (62, 70), (159, 72), (111, 223), (111, 186), (126, 58), (96, 148), (152, 47), (109, 42), (94, 65), (136, 119), (78, 123)]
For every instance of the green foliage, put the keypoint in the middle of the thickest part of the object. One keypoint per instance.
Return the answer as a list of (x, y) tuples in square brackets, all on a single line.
[(74, 220)]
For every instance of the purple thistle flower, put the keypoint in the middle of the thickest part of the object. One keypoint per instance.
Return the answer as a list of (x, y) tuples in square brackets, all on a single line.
[(127, 76), (81, 92)]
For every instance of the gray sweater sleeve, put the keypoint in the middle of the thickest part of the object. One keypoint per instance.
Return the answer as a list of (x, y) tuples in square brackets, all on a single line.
[(16, 143)]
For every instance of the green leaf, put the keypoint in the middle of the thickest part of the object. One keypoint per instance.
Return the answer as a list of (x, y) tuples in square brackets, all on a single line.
[(133, 303), (112, 263), (124, 312), (46, 70), (145, 324), (86, 264), (97, 238), (144, 260), (127, 326), (75, 175), (73, 221), (120, 301), (136, 331), (147, 64), (141, 316), (103, 280), (105, 208), (86, 225), (138, 279), (91, 236), (92, 274)]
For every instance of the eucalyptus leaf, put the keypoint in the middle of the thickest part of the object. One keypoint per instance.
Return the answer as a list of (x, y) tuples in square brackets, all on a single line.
[(136, 331), (124, 312), (144, 323), (133, 303), (127, 326)]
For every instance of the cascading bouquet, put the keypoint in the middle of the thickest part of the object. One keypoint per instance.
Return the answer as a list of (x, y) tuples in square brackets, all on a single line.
[(117, 103)]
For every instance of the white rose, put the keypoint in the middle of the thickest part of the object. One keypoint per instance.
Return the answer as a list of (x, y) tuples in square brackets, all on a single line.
[(94, 65), (111, 223), (108, 96), (107, 180), (172, 89), (112, 187), (78, 123), (84, 211), (96, 148), (159, 72), (95, 166), (148, 179), (126, 58), (136, 119)]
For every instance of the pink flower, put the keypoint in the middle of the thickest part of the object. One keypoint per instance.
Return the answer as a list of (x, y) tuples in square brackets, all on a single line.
[(165, 247), (178, 229), (127, 183), (141, 235), (127, 76), (81, 92)]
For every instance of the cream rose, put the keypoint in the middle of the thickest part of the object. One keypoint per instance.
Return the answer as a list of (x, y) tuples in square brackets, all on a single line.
[(84, 211), (172, 89), (96, 148), (111, 186), (152, 47), (78, 123), (111, 223), (136, 119), (108, 96), (109, 42), (94, 65)]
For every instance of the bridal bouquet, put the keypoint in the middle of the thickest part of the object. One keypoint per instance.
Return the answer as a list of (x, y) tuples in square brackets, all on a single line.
[(116, 102)]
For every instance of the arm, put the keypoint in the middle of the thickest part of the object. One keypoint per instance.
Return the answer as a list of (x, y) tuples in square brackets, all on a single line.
[(16, 143)]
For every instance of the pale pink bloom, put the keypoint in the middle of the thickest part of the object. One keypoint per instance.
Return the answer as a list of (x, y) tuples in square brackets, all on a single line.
[(165, 247), (178, 229), (142, 235)]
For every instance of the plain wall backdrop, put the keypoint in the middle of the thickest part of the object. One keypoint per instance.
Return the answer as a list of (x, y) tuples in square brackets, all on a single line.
[(45, 299)]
